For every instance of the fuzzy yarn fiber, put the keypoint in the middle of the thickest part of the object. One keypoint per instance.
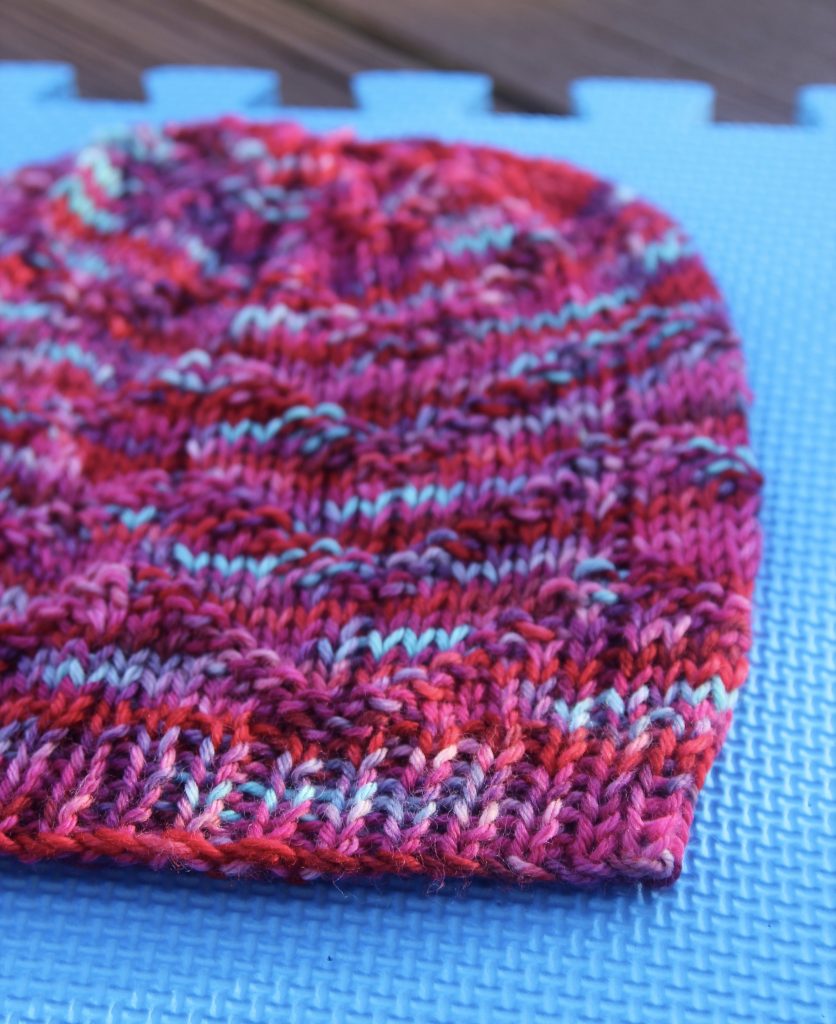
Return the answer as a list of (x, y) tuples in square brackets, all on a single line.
[(363, 508)]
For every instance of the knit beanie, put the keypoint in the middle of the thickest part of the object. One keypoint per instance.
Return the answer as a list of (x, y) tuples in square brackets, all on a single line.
[(364, 507)]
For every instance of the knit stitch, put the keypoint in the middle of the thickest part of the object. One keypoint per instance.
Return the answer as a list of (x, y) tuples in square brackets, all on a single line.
[(364, 507)]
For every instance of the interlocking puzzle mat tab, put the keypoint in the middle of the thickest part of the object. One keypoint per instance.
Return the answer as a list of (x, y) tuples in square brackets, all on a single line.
[(749, 931)]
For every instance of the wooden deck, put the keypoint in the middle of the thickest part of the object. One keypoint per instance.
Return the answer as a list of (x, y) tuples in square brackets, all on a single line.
[(756, 53)]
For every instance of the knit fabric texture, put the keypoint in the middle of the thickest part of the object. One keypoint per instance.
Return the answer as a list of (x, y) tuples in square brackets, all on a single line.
[(364, 507)]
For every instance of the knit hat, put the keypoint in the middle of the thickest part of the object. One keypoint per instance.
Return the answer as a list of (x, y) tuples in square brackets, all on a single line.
[(364, 507)]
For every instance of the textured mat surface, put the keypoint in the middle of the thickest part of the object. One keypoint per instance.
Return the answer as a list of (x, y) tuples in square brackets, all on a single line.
[(749, 931)]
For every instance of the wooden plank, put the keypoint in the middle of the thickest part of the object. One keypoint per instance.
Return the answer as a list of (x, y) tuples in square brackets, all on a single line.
[(101, 71), (769, 47), (534, 47), (111, 43), (317, 39), (755, 52), (109, 62)]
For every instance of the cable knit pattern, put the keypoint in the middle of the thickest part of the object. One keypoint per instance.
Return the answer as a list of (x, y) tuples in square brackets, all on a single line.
[(364, 507)]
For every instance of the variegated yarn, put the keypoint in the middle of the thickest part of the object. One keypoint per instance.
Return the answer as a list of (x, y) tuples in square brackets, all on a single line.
[(364, 507)]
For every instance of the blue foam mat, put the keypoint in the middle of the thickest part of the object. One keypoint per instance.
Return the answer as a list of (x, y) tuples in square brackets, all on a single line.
[(749, 931)]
